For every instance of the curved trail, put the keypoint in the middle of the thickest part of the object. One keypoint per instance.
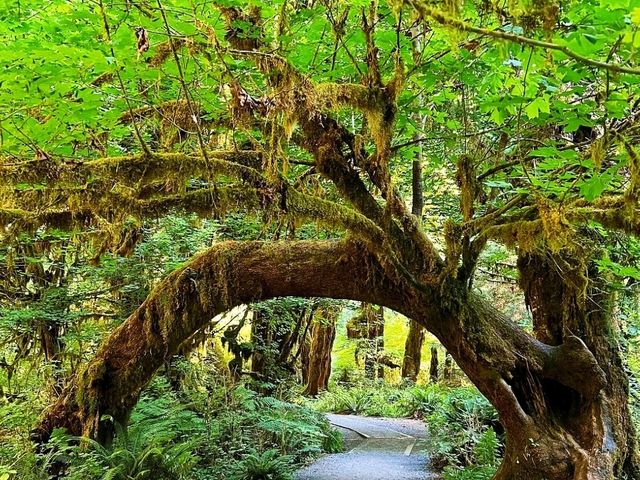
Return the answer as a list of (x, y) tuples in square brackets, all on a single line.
[(375, 449)]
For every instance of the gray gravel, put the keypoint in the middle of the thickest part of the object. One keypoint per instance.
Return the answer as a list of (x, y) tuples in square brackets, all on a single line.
[(369, 425), (376, 449)]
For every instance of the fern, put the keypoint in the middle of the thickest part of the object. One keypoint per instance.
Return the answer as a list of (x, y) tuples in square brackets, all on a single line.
[(486, 450), (470, 473), (158, 445), (268, 465)]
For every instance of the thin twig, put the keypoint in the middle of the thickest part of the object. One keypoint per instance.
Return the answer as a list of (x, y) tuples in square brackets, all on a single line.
[(183, 83), (105, 21)]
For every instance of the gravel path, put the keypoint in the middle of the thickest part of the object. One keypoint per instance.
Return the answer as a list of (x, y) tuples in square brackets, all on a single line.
[(376, 449)]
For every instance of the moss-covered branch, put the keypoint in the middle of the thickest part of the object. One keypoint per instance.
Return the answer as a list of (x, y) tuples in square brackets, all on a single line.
[(426, 10), (94, 207), (487, 345), (130, 169), (227, 275)]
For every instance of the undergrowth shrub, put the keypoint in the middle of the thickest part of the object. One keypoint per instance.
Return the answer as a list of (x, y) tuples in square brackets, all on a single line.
[(201, 431), (374, 399), (268, 465), (462, 435), (160, 443)]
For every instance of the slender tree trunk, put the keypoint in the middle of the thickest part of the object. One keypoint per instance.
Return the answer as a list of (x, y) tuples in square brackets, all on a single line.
[(415, 337), (417, 204), (379, 341), (374, 340), (413, 351), (448, 367), (51, 343), (433, 365)]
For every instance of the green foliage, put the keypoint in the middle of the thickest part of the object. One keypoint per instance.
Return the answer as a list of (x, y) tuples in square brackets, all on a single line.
[(543, 115), (462, 434), (160, 443), (374, 400), (486, 451), (268, 465), (17, 457), (203, 430), (470, 473)]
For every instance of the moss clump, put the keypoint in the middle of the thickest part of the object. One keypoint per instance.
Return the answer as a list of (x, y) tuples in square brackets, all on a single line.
[(164, 49), (633, 190), (86, 395), (527, 235), (598, 152), (557, 230), (453, 241)]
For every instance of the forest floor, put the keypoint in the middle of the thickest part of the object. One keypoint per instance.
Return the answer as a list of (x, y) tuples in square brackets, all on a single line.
[(375, 449)]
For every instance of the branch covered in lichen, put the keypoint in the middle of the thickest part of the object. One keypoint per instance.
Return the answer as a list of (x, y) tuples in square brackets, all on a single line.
[(130, 169), (424, 9)]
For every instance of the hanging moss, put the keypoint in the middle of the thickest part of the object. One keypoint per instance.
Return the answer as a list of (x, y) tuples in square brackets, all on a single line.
[(469, 186), (558, 231), (597, 151), (453, 242), (531, 13), (164, 50), (633, 190)]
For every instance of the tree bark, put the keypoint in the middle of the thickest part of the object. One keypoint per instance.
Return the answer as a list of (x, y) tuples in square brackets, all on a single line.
[(448, 367), (373, 339), (433, 365), (417, 204), (585, 436), (413, 351), (225, 276), (318, 354)]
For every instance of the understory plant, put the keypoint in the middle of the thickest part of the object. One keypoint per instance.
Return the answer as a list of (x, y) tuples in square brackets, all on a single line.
[(464, 435), (203, 428)]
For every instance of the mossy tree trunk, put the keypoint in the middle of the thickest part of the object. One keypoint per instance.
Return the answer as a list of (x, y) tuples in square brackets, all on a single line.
[(317, 356), (563, 407), (373, 340), (413, 351), (433, 365), (577, 434), (448, 367)]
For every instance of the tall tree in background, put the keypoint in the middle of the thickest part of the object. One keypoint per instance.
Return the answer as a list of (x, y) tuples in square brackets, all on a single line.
[(316, 356), (277, 108), (415, 337)]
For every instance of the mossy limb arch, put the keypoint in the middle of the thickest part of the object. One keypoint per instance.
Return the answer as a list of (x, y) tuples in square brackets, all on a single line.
[(523, 377), (228, 275)]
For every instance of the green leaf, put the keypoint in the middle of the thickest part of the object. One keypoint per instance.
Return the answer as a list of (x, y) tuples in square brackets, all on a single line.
[(595, 186), (538, 105)]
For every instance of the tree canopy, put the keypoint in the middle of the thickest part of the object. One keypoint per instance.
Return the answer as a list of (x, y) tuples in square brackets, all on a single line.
[(509, 122)]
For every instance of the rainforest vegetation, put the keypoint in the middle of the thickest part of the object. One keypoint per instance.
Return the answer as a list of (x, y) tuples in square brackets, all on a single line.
[(221, 219)]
